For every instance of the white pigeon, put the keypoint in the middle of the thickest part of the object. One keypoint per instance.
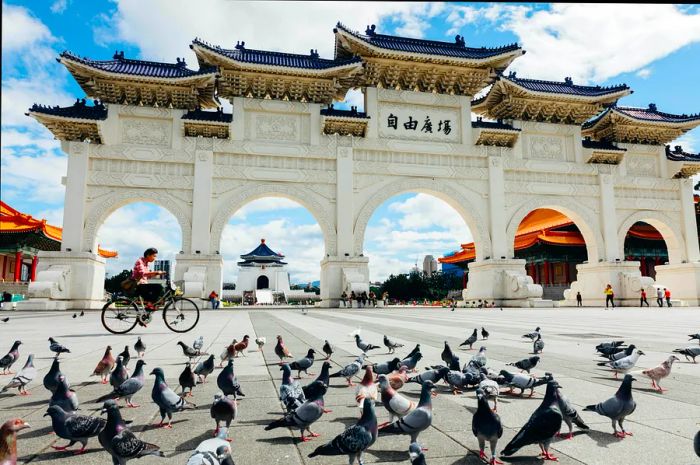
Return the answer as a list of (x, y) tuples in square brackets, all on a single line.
[(625, 364), (491, 389), (212, 451), (260, 341), (25, 376), (198, 344), (355, 332)]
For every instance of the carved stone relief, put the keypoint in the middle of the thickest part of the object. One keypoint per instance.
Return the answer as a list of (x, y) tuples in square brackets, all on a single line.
[(146, 132), (277, 127)]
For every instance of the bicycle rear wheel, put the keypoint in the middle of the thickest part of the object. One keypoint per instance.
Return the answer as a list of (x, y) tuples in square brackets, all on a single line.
[(180, 315), (120, 316)]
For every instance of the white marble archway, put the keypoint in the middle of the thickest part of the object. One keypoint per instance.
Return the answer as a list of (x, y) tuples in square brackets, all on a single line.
[(670, 231)]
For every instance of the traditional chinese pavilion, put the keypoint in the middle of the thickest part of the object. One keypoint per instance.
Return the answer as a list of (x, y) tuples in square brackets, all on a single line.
[(262, 268), (21, 238)]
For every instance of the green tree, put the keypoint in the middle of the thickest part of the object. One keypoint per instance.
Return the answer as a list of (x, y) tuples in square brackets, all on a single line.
[(416, 286)]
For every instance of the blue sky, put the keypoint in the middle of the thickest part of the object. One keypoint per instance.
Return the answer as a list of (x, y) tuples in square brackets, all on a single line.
[(655, 49)]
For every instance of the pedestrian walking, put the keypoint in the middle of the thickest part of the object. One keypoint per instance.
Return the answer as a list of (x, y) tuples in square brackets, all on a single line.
[(609, 295), (643, 298), (579, 299), (659, 297), (667, 294)]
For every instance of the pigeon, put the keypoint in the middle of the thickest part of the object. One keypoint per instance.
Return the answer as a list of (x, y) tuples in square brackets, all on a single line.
[(260, 342), (609, 348), (327, 349), (526, 364), (623, 365), (415, 452), (363, 346), (626, 352), (228, 383), (391, 345), (74, 427), (223, 409), (459, 381), (366, 389), (687, 352), (188, 351), (433, 375), (480, 357), (415, 421), (411, 362), (415, 350), (696, 443), (119, 441), (51, 378), (350, 370), (291, 393), (538, 345), (470, 340), (543, 424), (227, 354), (398, 378), (166, 399), (25, 376), (129, 387), (522, 382), (126, 356), (75, 315), (694, 336), (490, 389), (354, 440), (104, 366), (305, 415), (57, 348), (486, 426), (484, 333), (533, 335), (385, 368), (140, 348), (569, 415), (660, 372), (204, 369), (82, 313), (281, 350), (8, 440), (64, 397), (5, 320), (198, 343), (213, 451), (323, 376), (446, 354), (240, 347), (187, 379), (396, 404), (355, 332), (303, 364), (618, 407), (119, 374), (10, 358)]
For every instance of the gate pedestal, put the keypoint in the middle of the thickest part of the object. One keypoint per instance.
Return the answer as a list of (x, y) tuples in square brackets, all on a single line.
[(683, 280), (624, 277), (503, 282), (201, 274), (340, 274)]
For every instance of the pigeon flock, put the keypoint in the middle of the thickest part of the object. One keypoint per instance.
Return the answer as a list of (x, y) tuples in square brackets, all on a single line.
[(302, 405)]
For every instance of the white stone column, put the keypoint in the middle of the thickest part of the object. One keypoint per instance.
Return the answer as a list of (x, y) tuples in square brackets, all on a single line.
[(238, 124), (201, 201), (372, 110), (688, 222), (76, 188), (608, 219), (497, 220), (344, 207), (466, 117), (315, 128)]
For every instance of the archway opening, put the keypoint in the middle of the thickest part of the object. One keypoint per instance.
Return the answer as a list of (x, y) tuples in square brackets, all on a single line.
[(419, 247), (551, 245), (132, 229), (272, 248), (645, 244)]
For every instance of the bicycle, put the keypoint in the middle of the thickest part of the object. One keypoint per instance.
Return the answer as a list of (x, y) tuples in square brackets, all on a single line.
[(122, 313)]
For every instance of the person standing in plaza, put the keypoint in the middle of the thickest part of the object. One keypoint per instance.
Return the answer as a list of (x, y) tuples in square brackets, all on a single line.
[(609, 295), (385, 298), (148, 292), (579, 300), (643, 298), (667, 295), (214, 299), (659, 297), (344, 299), (352, 297)]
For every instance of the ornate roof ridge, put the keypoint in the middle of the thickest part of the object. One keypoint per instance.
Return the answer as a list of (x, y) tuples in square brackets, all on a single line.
[(678, 154), (351, 113), (498, 124), (79, 109), (651, 109), (589, 143), (568, 81), (218, 115), (118, 57)]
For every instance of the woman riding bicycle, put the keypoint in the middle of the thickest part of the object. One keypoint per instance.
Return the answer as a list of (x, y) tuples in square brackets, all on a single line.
[(148, 292)]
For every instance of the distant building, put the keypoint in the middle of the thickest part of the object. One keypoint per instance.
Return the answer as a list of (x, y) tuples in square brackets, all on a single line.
[(162, 265), (429, 265), (262, 268)]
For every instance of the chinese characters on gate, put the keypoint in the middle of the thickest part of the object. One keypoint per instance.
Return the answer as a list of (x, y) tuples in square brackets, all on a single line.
[(412, 124)]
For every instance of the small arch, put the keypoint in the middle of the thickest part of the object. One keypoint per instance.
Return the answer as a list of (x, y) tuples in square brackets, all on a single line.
[(263, 282), (668, 229)]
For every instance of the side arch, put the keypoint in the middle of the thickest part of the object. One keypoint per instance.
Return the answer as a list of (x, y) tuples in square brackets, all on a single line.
[(469, 205), (319, 208), (669, 230), (584, 219), (100, 211)]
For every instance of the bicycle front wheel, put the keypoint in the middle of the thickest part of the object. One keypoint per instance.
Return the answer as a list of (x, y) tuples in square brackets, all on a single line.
[(180, 315), (119, 316)]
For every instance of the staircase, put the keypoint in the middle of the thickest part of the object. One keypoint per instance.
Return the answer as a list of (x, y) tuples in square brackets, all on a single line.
[(14, 288), (264, 297), (554, 291)]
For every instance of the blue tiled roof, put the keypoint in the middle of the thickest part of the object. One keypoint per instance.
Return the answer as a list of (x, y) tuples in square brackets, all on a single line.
[(78, 110), (216, 116), (677, 154), (566, 87), (262, 252), (351, 113), (120, 65), (287, 60), (456, 49), (480, 123), (587, 143), (645, 114)]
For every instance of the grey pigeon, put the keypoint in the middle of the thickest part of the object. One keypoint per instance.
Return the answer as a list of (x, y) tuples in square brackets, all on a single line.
[(64, 397), (323, 376), (204, 369), (140, 348), (484, 333), (126, 356), (387, 367), (74, 427), (187, 379), (354, 440), (396, 404), (304, 363), (696, 443), (470, 340), (486, 426), (538, 345), (543, 424), (621, 354), (129, 387), (198, 343), (490, 389), (362, 345), (618, 407), (480, 357), (223, 409), (305, 415), (533, 335), (119, 441), (57, 348), (522, 382), (416, 421), (412, 361), (327, 349), (415, 453), (433, 375), (5, 320), (689, 352), (391, 345), (459, 380), (213, 451), (570, 415), (10, 358), (228, 383), (446, 354), (415, 350), (119, 374), (526, 364), (350, 370), (609, 348), (623, 365), (291, 393), (25, 376), (188, 351), (166, 399), (51, 378), (694, 336)]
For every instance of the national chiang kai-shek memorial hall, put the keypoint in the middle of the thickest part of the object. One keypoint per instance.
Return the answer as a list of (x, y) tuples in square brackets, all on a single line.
[(156, 133)]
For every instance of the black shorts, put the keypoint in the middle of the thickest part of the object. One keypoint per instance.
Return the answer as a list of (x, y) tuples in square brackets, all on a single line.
[(149, 292)]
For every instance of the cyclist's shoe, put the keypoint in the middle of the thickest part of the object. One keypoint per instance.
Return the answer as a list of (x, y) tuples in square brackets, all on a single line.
[(149, 306)]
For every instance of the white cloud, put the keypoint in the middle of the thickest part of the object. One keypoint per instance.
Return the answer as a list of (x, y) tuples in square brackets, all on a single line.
[(21, 29), (59, 6), (33, 177), (688, 141), (644, 73)]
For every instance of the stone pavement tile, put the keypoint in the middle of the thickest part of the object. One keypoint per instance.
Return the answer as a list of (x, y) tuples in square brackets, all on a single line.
[(685, 427)]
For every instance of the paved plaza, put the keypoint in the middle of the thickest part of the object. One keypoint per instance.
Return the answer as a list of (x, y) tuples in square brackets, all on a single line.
[(663, 424)]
